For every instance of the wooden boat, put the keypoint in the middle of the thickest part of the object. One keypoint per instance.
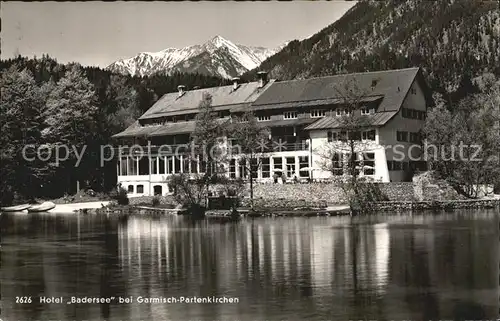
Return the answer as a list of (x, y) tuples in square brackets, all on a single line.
[(17, 208), (44, 207)]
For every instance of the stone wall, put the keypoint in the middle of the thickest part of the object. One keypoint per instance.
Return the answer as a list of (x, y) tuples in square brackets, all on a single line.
[(436, 205), (316, 194), (403, 191)]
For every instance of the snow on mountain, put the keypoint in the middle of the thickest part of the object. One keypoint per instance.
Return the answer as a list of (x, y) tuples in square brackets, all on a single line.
[(218, 56)]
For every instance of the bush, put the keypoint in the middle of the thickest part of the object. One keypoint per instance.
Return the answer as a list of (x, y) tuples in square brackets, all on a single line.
[(120, 196), (366, 194), (156, 201)]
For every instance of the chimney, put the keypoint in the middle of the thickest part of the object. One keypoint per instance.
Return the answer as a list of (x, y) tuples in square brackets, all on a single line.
[(262, 78), (181, 89), (236, 82)]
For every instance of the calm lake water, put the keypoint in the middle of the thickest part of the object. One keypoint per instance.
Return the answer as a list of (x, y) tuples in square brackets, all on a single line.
[(420, 267)]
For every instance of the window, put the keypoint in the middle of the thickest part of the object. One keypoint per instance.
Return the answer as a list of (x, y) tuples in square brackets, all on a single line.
[(185, 164), (143, 166), (264, 118), (154, 169), (232, 168), (266, 168), (278, 163), (161, 165), (397, 166), (123, 165), (132, 166), (194, 166), (157, 189), (415, 138), (338, 112), (130, 188), (140, 189), (177, 164), (413, 114), (316, 113), (369, 135), (332, 137), (290, 166), (243, 168), (337, 164), (402, 136), (367, 111), (169, 161), (303, 163), (289, 115), (369, 163), (347, 112)]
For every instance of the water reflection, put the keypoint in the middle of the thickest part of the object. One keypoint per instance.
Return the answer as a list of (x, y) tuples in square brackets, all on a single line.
[(421, 267)]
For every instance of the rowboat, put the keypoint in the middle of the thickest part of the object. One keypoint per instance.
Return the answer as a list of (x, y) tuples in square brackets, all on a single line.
[(44, 207), (16, 208)]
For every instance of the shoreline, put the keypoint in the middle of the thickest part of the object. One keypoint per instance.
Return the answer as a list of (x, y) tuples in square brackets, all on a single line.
[(383, 207)]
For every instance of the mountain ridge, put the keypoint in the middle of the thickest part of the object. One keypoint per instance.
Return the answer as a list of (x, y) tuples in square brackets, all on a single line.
[(217, 57)]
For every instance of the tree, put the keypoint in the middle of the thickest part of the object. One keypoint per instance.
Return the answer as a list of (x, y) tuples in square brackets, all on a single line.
[(207, 143), (251, 139), (467, 138), (70, 120), (21, 112), (346, 154)]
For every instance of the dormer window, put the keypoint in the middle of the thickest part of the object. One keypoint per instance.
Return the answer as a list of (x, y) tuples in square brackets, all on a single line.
[(367, 111), (290, 115), (317, 113), (263, 118)]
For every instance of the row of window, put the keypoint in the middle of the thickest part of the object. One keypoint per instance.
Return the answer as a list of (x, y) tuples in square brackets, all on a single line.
[(285, 169), (413, 114), (160, 165), (157, 189), (412, 137), (364, 163), (358, 135), (318, 113)]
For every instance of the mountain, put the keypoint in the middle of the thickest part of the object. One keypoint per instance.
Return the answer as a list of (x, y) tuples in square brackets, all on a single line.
[(216, 57), (452, 40)]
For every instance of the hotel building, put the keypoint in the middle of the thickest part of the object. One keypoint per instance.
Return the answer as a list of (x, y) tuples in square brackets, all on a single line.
[(303, 117)]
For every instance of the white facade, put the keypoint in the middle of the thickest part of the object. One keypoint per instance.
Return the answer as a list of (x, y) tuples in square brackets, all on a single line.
[(387, 154)]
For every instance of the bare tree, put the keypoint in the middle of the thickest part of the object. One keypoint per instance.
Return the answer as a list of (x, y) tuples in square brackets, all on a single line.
[(251, 139), (346, 153)]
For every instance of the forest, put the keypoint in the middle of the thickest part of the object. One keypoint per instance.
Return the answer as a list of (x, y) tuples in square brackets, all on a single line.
[(45, 105), (453, 41)]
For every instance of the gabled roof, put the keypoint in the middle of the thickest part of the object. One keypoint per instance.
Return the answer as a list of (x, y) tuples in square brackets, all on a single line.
[(392, 85), (222, 97)]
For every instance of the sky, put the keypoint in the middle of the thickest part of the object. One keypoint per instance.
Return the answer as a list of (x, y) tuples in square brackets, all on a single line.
[(99, 33)]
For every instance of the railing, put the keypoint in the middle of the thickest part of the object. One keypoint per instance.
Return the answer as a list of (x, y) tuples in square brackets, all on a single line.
[(154, 149), (273, 147), (179, 149)]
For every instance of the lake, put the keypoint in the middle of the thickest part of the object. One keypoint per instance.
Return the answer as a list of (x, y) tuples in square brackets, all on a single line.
[(389, 267)]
